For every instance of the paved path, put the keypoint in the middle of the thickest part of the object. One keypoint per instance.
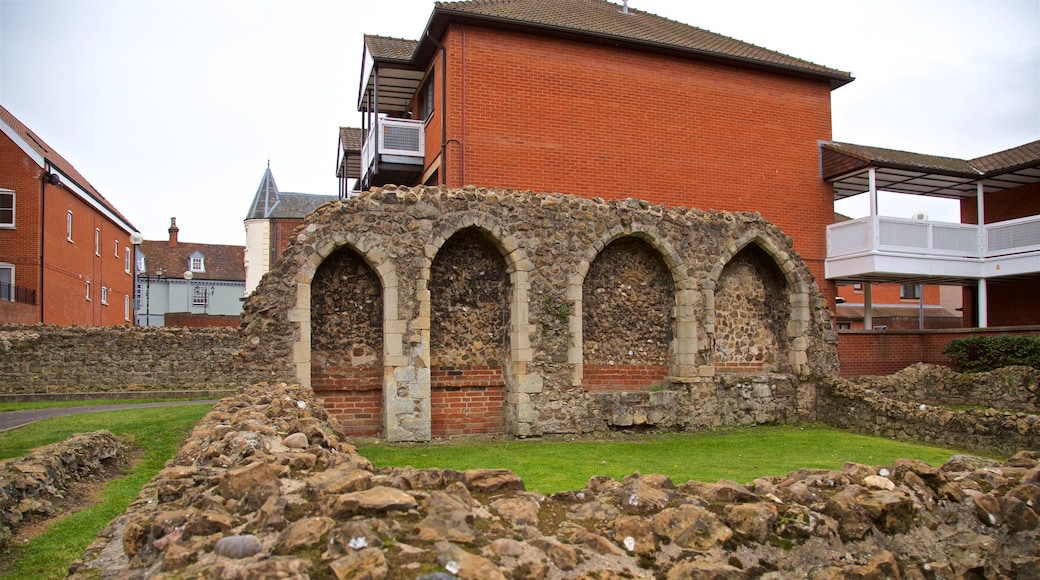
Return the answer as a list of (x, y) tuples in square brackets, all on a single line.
[(14, 419)]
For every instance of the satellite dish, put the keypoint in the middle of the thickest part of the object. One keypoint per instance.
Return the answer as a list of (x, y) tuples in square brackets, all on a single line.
[(136, 239), (920, 214), (188, 275)]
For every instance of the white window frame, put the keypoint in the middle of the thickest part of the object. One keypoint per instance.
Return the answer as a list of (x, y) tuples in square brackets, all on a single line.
[(8, 293), (68, 226), (140, 263), (10, 192), (199, 295), (197, 264), (128, 259), (117, 247), (916, 291), (97, 242), (104, 295), (88, 290), (126, 308)]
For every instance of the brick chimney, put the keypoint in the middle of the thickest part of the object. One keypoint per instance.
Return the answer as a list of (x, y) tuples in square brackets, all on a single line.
[(173, 232)]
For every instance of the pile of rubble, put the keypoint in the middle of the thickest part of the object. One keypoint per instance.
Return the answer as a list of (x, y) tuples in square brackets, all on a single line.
[(35, 486), (265, 487)]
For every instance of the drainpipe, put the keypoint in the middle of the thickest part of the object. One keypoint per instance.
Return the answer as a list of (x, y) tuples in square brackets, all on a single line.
[(43, 216), (444, 109)]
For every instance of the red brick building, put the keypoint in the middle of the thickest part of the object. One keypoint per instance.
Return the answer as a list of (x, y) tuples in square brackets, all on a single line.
[(66, 255), (588, 98)]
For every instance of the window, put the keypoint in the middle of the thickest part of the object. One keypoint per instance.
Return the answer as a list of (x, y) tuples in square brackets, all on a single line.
[(426, 98), (6, 208), (844, 326), (117, 248), (200, 296), (126, 308), (7, 282), (127, 260), (68, 226), (97, 241), (140, 262), (857, 287), (88, 290), (910, 291), (197, 262), (104, 295)]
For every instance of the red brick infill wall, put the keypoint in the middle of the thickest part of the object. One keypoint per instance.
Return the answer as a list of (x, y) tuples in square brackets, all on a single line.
[(870, 352)]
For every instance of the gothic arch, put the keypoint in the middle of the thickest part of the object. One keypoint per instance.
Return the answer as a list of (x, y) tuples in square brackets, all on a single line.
[(520, 383), (684, 341), (797, 289)]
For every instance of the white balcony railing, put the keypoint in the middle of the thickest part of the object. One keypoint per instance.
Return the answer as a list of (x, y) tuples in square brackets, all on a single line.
[(877, 234), (403, 137)]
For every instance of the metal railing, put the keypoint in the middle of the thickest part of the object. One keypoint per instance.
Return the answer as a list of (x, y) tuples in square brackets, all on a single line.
[(404, 137), (907, 236), (13, 293)]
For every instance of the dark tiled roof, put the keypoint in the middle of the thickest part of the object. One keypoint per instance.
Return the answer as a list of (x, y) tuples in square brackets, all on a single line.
[(350, 138), (222, 262), (58, 161), (1015, 157), (1028, 154), (388, 48), (902, 158), (298, 205), (605, 19), (269, 203)]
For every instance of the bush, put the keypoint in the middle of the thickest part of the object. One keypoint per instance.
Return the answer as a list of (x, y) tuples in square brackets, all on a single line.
[(985, 353)]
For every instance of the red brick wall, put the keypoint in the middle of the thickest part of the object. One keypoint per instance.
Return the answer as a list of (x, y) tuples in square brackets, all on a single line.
[(1004, 205), (360, 412), (622, 377), (555, 115), (359, 378), (20, 246), (281, 235), (467, 401), (68, 266), (883, 353)]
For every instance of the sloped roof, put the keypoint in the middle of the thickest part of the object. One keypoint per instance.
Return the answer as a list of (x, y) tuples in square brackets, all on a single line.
[(350, 138), (602, 19), (269, 203), (390, 48), (60, 163), (222, 262), (846, 164)]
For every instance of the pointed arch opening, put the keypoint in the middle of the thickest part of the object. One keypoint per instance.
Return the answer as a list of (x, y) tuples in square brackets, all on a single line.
[(346, 326), (470, 292), (752, 312), (628, 323)]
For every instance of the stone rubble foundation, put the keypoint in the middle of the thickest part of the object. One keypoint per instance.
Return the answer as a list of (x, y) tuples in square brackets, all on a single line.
[(267, 487)]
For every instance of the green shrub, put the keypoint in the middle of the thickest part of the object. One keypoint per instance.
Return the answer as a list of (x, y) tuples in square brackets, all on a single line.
[(985, 353)]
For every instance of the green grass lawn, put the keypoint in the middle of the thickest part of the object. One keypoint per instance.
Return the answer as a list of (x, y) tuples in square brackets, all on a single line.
[(737, 454), (159, 432)]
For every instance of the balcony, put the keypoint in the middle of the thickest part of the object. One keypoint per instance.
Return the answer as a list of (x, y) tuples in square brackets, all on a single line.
[(393, 152), (13, 293), (877, 248)]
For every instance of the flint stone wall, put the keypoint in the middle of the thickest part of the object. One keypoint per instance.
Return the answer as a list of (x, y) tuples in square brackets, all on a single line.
[(917, 404), (266, 487), (549, 255), (34, 486), (47, 358)]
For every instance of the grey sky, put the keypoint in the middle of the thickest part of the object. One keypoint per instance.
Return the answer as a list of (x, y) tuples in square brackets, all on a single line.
[(173, 108)]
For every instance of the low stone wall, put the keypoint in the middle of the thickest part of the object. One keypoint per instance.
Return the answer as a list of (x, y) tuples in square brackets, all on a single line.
[(906, 406), (47, 358), (265, 487), (34, 486), (1009, 388)]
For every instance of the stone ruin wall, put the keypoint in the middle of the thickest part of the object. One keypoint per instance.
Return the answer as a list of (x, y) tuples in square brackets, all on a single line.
[(512, 312)]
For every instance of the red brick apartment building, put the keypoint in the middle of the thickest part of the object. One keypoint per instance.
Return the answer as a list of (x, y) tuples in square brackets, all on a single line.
[(586, 97), (591, 98), (66, 255)]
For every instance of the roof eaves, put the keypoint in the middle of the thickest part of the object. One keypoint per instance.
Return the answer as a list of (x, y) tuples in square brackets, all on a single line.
[(437, 26)]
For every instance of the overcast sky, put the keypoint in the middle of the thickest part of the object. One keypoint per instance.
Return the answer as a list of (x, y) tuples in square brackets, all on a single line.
[(173, 108)]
